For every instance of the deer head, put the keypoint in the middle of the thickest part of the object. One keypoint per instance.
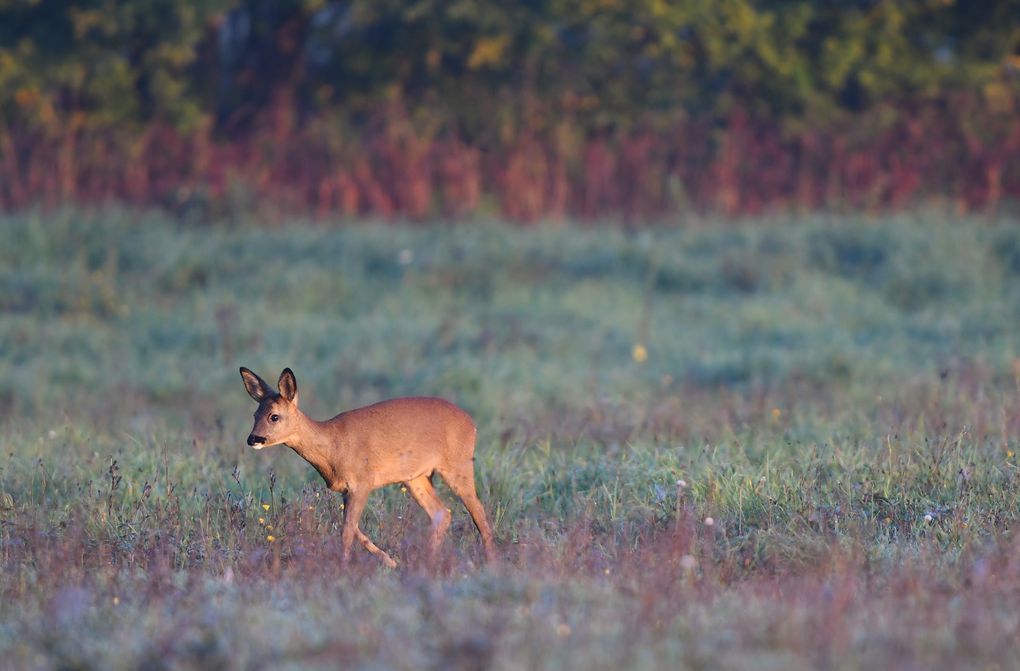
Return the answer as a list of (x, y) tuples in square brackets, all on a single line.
[(277, 419)]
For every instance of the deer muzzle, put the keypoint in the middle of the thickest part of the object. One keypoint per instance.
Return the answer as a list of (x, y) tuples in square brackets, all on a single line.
[(256, 441)]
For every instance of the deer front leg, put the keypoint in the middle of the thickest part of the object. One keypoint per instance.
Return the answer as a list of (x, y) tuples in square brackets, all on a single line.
[(375, 549), (354, 505)]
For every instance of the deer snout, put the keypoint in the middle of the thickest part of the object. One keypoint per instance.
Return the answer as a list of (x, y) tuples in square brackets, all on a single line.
[(256, 441)]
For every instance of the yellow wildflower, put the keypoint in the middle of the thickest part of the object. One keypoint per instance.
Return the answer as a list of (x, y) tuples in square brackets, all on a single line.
[(265, 506), (270, 538), (640, 353)]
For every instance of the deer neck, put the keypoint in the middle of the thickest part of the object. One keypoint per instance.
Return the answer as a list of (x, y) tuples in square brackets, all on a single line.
[(312, 443)]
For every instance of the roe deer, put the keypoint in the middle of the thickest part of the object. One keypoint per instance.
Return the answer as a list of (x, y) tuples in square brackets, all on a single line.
[(401, 440)]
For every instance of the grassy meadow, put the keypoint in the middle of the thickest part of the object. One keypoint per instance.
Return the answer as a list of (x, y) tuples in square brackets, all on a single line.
[(772, 444)]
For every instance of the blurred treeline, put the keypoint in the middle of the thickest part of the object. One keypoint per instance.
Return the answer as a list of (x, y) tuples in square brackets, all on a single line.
[(567, 108)]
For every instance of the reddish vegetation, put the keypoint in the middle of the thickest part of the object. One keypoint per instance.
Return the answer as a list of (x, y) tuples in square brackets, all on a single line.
[(957, 151)]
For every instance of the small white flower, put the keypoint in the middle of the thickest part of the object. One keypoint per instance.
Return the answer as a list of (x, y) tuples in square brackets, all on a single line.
[(928, 518), (52, 433), (688, 563), (681, 483), (709, 521)]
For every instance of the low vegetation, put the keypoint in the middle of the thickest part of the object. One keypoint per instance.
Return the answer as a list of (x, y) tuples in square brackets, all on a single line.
[(787, 445)]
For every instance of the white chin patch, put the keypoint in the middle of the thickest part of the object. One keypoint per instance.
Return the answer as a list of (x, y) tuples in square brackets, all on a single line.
[(258, 447)]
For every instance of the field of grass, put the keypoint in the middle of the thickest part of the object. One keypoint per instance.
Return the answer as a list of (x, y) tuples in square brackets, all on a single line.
[(814, 466)]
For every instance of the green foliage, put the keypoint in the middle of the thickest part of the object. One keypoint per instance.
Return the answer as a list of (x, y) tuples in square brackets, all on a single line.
[(101, 63), (471, 61)]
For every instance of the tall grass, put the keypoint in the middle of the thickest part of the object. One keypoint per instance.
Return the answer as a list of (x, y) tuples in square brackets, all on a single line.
[(957, 151), (815, 465)]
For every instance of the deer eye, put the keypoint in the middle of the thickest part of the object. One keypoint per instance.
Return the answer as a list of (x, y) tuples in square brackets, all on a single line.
[(274, 418)]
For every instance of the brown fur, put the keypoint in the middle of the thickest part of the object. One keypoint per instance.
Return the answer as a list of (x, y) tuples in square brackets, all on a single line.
[(404, 440)]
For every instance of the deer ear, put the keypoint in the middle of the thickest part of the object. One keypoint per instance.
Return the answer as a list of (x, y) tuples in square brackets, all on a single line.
[(254, 385), (288, 385)]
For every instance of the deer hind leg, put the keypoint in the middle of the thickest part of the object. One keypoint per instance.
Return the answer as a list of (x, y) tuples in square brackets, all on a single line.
[(425, 494), (461, 479)]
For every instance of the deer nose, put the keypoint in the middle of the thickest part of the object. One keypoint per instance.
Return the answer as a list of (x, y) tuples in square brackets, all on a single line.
[(254, 440)]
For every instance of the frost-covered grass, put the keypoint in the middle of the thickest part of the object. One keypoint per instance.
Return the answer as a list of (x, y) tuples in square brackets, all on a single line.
[(814, 465)]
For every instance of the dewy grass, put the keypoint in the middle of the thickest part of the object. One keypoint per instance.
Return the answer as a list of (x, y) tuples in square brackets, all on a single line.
[(813, 464)]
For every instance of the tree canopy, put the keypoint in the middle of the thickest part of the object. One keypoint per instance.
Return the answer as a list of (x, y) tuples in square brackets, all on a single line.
[(606, 60)]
